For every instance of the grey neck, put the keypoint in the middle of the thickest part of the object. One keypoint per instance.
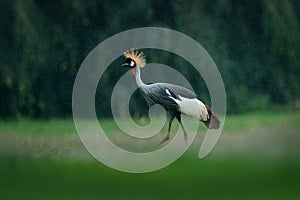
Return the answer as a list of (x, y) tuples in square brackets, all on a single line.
[(138, 79)]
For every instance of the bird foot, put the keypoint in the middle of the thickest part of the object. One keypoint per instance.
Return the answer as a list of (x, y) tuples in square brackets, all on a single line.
[(164, 140), (185, 137)]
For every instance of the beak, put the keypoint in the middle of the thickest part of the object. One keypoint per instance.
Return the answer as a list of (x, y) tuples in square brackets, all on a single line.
[(125, 65)]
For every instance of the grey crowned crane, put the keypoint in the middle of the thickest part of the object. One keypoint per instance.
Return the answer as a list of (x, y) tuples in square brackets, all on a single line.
[(175, 99)]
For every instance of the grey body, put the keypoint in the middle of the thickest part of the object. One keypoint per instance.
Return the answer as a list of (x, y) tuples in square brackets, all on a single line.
[(159, 93)]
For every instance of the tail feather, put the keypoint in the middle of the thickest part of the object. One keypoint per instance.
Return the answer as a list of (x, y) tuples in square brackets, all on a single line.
[(213, 122)]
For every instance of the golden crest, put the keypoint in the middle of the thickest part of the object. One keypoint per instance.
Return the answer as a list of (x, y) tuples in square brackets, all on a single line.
[(138, 56)]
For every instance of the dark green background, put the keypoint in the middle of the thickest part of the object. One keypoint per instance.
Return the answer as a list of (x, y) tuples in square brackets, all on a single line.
[(255, 44)]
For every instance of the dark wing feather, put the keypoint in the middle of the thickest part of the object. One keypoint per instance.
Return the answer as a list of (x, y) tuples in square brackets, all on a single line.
[(157, 94), (178, 90)]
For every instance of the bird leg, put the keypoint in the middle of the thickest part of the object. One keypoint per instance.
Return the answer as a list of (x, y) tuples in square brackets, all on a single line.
[(184, 132), (167, 137), (178, 117)]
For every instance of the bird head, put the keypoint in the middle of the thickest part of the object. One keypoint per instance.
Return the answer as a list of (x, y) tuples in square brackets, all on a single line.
[(129, 62), (134, 59)]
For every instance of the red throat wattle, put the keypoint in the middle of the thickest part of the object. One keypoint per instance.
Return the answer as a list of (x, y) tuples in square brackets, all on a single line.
[(133, 71)]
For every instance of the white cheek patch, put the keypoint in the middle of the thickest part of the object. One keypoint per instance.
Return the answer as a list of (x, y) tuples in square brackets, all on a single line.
[(131, 63)]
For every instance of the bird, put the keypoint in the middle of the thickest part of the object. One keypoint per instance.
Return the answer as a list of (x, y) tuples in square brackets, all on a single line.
[(175, 99)]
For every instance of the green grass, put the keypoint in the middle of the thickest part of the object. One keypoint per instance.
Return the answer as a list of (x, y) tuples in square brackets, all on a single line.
[(28, 126), (66, 174), (244, 122), (27, 178), (233, 123)]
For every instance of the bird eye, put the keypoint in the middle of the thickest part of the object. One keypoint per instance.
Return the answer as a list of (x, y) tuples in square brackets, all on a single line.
[(132, 63)]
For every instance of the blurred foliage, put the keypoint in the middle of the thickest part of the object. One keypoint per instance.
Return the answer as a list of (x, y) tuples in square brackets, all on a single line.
[(255, 44)]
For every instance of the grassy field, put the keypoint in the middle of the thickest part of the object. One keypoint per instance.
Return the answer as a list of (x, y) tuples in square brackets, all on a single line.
[(257, 157)]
